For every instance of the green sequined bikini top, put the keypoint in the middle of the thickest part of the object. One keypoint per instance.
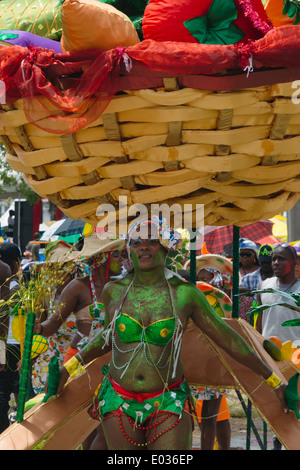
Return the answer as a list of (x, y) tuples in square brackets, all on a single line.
[(130, 330)]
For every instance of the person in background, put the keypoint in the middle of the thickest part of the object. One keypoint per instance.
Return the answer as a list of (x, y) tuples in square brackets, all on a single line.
[(10, 225), (10, 254), (248, 264), (34, 248), (248, 257), (269, 321), (252, 280), (297, 267), (205, 275), (82, 297), (5, 274), (214, 412)]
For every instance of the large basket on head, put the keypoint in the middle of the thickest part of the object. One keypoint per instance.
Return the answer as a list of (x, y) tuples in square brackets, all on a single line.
[(229, 142)]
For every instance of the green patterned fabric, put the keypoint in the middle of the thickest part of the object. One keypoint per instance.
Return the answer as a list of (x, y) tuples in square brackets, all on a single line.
[(217, 26), (34, 16), (43, 18)]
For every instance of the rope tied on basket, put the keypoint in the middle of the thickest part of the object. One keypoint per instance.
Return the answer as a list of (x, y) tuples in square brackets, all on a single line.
[(249, 68), (126, 59), (245, 54)]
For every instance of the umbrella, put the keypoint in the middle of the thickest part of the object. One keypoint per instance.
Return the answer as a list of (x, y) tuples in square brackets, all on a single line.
[(217, 237), (49, 233), (280, 227), (69, 227)]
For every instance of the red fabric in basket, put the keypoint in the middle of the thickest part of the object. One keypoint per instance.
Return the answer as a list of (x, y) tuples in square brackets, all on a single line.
[(164, 19), (35, 73)]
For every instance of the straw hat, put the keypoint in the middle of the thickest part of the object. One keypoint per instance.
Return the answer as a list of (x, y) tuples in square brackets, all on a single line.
[(95, 244), (218, 263), (219, 301), (58, 251)]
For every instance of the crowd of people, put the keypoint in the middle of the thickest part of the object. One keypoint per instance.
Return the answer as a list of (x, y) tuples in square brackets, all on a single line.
[(141, 316)]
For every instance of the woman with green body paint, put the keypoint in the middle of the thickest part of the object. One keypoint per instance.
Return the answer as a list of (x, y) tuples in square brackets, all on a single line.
[(143, 397)]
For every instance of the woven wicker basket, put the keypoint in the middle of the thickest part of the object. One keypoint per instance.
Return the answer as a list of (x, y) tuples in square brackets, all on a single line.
[(236, 152)]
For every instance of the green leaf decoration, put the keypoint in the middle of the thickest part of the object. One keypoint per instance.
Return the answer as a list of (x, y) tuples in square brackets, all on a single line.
[(217, 26), (53, 378), (292, 296), (295, 322), (292, 10), (5, 36)]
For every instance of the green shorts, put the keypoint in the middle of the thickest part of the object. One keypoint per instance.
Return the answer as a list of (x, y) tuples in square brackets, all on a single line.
[(110, 398)]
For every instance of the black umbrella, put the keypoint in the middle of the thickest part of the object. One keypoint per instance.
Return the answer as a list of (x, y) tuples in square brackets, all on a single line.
[(69, 227)]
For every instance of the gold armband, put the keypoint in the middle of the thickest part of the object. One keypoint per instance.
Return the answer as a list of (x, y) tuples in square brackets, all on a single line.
[(74, 367), (274, 381)]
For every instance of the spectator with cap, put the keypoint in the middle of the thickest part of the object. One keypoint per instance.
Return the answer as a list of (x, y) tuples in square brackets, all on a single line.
[(248, 257), (248, 265), (253, 280)]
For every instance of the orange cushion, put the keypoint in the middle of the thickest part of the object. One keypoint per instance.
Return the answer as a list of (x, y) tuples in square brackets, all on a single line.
[(91, 24), (274, 11)]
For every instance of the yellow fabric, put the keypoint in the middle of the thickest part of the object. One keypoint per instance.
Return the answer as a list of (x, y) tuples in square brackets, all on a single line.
[(74, 367), (90, 24), (273, 381)]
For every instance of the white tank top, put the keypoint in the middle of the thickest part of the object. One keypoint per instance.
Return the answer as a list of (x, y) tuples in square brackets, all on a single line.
[(273, 317)]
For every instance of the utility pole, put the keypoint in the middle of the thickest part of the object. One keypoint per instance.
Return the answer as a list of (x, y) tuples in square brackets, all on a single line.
[(293, 223)]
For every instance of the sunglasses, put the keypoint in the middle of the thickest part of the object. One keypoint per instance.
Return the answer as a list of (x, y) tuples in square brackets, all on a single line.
[(248, 254), (135, 242), (287, 245)]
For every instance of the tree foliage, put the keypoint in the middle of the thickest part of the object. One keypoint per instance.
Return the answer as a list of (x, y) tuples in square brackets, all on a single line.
[(11, 179)]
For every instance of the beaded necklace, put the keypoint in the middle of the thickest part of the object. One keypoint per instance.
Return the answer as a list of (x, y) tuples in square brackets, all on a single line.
[(175, 341)]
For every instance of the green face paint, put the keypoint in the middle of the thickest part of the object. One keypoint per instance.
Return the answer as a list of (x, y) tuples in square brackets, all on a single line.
[(115, 264), (147, 254)]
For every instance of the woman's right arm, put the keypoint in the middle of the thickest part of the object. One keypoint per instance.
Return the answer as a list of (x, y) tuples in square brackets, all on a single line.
[(97, 347), (68, 302)]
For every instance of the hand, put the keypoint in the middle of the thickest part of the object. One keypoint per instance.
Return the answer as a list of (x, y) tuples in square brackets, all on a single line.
[(64, 376), (38, 327), (280, 392)]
